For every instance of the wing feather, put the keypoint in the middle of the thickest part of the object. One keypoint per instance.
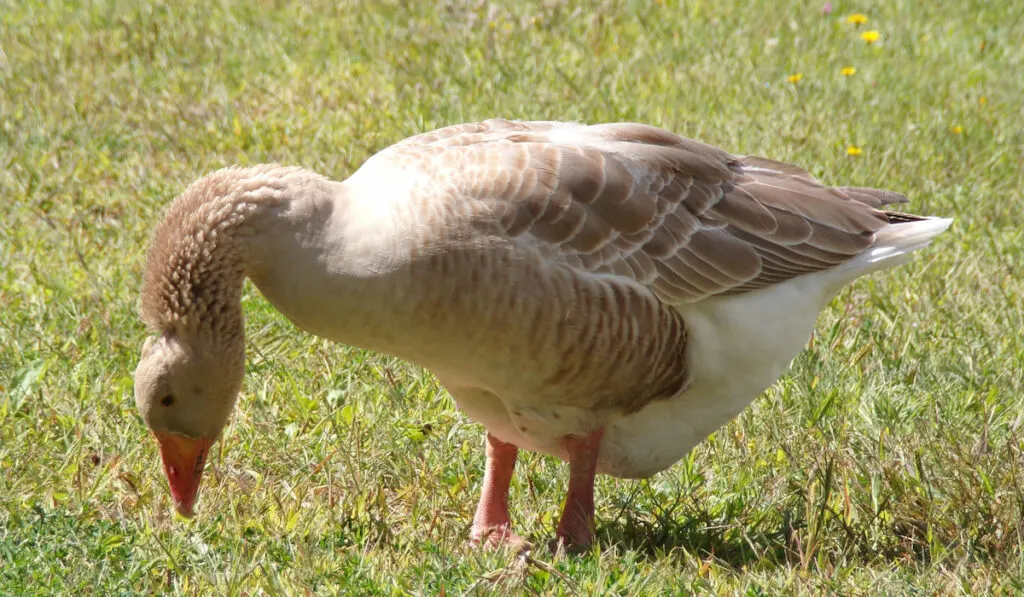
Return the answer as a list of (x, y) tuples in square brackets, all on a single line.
[(685, 219)]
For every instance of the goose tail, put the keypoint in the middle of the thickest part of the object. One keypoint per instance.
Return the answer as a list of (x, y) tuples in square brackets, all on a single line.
[(893, 244)]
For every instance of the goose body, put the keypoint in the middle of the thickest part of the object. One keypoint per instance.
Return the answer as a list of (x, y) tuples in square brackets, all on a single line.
[(607, 294)]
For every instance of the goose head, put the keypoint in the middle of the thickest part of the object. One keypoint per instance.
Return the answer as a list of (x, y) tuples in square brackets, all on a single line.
[(185, 392)]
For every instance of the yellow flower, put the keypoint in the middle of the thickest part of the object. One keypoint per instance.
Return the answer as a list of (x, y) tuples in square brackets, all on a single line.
[(853, 150), (848, 71), (857, 19), (983, 100), (795, 78), (957, 130), (871, 36)]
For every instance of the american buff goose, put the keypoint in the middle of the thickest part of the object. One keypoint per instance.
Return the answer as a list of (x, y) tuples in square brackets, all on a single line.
[(607, 294)]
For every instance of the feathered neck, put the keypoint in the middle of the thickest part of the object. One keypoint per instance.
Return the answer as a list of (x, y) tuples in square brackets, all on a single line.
[(193, 276)]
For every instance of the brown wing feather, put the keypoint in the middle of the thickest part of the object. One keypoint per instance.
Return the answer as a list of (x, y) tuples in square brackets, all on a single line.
[(685, 219)]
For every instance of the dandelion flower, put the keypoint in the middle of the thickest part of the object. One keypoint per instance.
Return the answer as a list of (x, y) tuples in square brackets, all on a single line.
[(983, 100), (857, 19), (795, 78), (848, 71), (853, 150), (871, 36), (957, 130)]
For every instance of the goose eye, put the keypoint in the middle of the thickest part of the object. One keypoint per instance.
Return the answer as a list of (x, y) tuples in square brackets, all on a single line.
[(167, 400)]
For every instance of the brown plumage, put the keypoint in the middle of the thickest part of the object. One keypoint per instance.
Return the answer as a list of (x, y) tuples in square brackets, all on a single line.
[(608, 294)]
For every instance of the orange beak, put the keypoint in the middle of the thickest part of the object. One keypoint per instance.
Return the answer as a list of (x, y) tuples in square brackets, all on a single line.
[(184, 459)]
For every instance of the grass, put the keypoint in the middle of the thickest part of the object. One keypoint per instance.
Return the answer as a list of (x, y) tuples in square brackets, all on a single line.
[(889, 460)]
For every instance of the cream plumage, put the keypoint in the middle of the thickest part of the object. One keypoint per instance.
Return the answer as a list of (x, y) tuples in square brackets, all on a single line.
[(607, 294)]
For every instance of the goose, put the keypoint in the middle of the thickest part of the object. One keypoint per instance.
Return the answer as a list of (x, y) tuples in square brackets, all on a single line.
[(607, 294)]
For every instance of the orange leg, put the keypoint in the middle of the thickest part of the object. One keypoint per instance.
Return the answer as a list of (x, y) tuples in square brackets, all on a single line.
[(491, 524), (576, 527)]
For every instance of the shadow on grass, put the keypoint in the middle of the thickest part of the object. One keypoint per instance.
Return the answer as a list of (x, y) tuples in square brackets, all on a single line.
[(737, 541), (701, 535)]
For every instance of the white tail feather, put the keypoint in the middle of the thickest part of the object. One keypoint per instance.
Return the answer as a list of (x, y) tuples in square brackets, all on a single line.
[(893, 245)]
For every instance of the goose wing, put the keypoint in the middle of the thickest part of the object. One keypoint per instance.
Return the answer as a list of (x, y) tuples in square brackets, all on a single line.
[(687, 220)]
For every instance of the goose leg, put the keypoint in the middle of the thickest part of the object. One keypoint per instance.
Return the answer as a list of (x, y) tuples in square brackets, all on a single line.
[(576, 527), (491, 524)]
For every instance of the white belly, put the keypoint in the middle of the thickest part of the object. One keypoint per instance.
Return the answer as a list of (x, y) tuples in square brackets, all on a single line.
[(739, 345)]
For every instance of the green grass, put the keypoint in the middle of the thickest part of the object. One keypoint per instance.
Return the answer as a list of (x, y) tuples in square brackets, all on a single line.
[(888, 460)]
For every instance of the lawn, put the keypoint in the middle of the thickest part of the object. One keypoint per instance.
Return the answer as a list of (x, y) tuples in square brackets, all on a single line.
[(889, 460)]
